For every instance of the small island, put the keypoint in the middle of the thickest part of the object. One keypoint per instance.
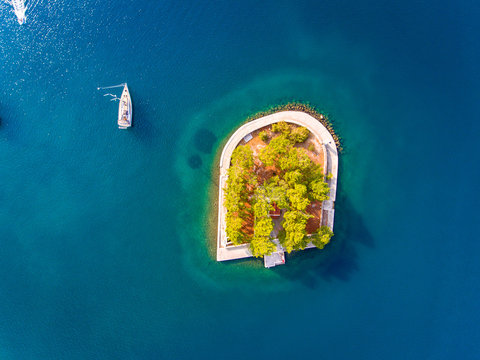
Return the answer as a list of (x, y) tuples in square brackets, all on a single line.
[(277, 186)]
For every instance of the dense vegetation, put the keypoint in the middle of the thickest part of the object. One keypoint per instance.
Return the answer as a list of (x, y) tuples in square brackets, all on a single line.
[(303, 107), (294, 181)]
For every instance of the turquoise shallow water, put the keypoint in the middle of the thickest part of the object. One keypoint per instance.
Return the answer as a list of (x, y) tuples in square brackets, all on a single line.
[(103, 242)]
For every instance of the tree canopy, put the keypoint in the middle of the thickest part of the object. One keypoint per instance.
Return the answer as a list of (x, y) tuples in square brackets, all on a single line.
[(276, 149), (295, 134), (236, 193), (299, 134), (322, 237), (294, 181), (298, 197), (319, 190), (295, 237), (281, 127), (242, 157), (262, 243)]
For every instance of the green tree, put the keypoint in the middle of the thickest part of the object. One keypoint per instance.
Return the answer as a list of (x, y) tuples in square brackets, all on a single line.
[(295, 236), (275, 150), (233, 229), (319, 190), (261, 246), (263, 136), (293, 177), (322, 237), (261, 243), (294, 158), (241, 179), (298, 197), (263, 227), (262, 207), (281, 127), (313, 172), (236, 190), (277, 193), (299, 134), (242, 156)]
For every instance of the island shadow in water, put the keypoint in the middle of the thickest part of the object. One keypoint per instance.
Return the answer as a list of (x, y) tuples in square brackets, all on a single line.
[(339, 259)]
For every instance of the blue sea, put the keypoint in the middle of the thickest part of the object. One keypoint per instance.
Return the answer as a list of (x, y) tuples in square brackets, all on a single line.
[(105, 251)]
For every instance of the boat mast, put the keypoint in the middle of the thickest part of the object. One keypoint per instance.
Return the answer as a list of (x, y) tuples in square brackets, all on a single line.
[(19, 10), (114, 97)]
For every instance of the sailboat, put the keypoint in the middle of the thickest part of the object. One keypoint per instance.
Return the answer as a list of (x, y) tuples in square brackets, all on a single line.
[(125, 109), (19, 10)]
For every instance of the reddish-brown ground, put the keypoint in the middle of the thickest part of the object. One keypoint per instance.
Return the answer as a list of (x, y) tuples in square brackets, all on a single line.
[(248, 223), (264, 173), (317, 154), (315, 209)]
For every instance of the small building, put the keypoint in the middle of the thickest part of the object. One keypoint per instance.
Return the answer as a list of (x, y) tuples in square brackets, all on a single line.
[(276, 212)]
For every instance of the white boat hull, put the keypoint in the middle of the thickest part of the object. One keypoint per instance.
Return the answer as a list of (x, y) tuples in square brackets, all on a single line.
[(125, 109), (19, 10)]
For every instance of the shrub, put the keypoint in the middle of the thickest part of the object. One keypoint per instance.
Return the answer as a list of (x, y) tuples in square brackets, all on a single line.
[(322, 237), (281, 127), (263, 136), (277, 147), (311, 147), (299, 134), (319, 190)]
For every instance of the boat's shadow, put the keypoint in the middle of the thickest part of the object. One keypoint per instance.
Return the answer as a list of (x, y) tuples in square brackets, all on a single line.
[(144, 129)]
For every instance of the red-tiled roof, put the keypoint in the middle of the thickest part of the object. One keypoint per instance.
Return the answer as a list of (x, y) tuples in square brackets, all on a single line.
[(275, 212)]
